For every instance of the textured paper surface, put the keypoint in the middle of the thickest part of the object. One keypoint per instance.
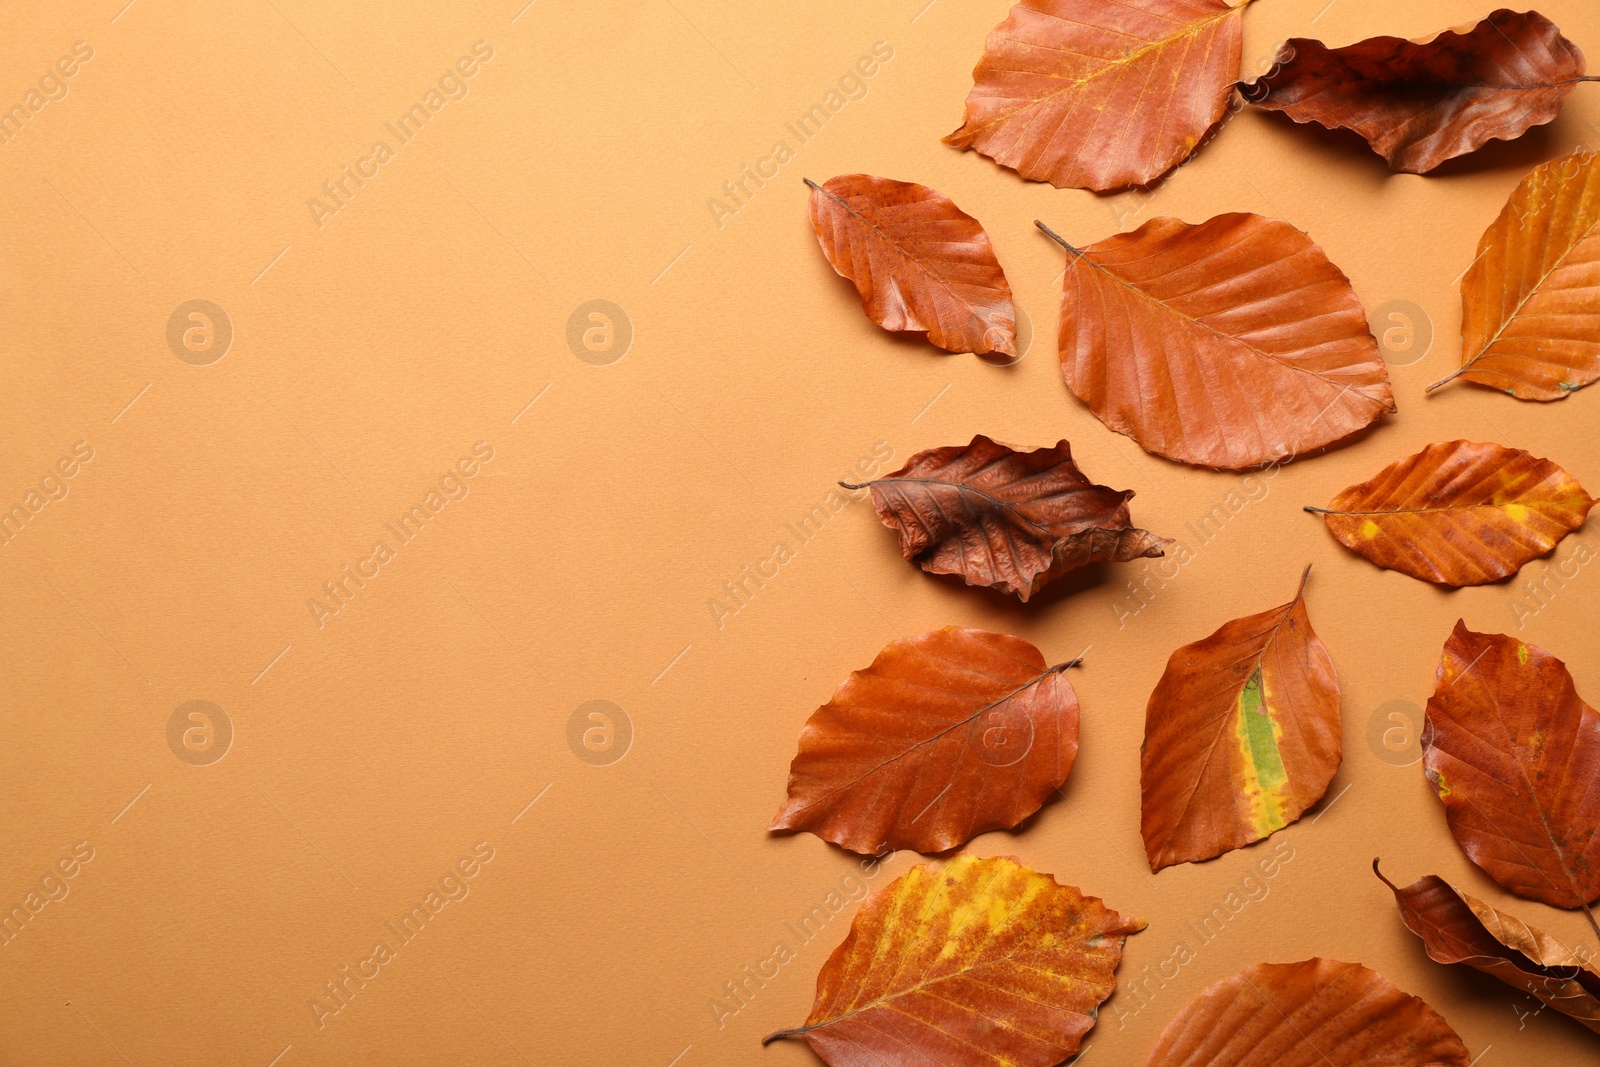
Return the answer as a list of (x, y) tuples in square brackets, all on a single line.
[(445, 708)]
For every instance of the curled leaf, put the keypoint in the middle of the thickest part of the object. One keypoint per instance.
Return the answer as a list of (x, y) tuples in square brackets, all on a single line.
[(1513, 753), (1459, 513), (981, 962), (919, 262), (1531, 300), (946, 736), (1094, 95), (1458, 928), (1241, 736), (1006, 519), (1318, 1013), (1230, 344), (1419, 103)]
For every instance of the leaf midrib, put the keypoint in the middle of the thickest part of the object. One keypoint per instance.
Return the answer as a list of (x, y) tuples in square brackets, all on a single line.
[(1192, 30)]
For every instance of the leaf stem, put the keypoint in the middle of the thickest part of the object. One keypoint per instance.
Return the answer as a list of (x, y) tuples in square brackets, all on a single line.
[(1448, 379), (1058, 239), (1381, 878), (1321, 511), (1588, 912), (863, 485), (779, 1035), (813, 185), (1304, 575)]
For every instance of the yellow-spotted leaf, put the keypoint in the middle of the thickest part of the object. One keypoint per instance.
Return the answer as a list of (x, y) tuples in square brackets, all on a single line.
[(978, 962), (1241, 736), (1459, 513)]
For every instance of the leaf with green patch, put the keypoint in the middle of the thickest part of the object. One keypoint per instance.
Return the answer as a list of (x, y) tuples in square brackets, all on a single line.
[(1241, 736)]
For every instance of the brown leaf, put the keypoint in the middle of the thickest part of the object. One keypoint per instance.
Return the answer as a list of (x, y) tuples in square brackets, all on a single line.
[(978, 962), (1419, 103), (946, 736), (1319, 1013), (1531, 300), (1457, 928), (1094, 95), (1241, 736), (1006, 519), (918, 261), (1230, 344), (1514, 755), (1459, 513)]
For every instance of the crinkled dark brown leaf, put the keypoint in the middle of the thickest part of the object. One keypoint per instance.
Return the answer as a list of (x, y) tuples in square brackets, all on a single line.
[(946, 736), (1318, 1013), (977, 963), (1513, 753), (919, 262), (1419, 103), (1006, 519), (1458, 928)]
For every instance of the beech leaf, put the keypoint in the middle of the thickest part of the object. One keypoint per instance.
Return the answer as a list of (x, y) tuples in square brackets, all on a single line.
[(1241, 736), (919, 262), (1531, 300), (1459, 513), (946, 736), (1230, 344), (1318, 1013), (1094, 95), (1513, 753), (1006, 519), (1419, 103), (981, 962), (1458, 928)]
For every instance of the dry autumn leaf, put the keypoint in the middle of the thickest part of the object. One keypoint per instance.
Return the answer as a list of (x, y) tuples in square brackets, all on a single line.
[(1318, 1013), (946, 736), (919, 262), (1006, 519), (1230, 344), (1093, 95), (1531, 300), (1457, 928), (1241, 736), (1419, 103), (981, 962), (1459, 513), (1513, 753)]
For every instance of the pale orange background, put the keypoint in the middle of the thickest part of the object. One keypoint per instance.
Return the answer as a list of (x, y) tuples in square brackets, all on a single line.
[(370, 353)]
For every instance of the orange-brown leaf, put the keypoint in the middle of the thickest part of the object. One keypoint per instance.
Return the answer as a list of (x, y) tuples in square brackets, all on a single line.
[(1318, 1013), (1458, 928), (1419, 103), (919, 262), (978, 962), (1514, 755), (946, 736), (1531, 300), (1459, 513), (1006, 519), (1241, 736), (1230, 344), (1094, 95)]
